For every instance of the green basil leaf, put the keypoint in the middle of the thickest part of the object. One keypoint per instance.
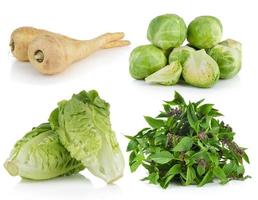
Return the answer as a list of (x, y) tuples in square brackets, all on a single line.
[(200, 169), (246, 158), (213, 158), (172, 172), (207, 178), (154, 123), (178, 100), (192, 118), (199, 102), (205, 108), (136, 162), (176, 169), (240, 170), (164, 183), (132, 145), (229, 168), (160, 140), (162, 157), (153, 177), (167, 108), (190, 175), (219, 173), (184, 144)]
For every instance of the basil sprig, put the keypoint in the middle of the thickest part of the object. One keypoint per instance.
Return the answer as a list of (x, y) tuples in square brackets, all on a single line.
[(187, 144)]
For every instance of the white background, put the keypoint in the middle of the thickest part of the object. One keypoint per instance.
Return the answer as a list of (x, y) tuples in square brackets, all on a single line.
[(27, 97)]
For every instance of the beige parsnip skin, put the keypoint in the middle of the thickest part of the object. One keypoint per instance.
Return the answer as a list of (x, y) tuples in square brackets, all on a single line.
[(53, 53), (20, 39)]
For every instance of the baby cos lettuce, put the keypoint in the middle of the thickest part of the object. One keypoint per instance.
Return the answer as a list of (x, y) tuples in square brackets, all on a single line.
[(83, 126), (39, 155)]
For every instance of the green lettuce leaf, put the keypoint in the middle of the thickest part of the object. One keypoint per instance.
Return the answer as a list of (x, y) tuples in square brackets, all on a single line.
[(84, 128), (39, 155)]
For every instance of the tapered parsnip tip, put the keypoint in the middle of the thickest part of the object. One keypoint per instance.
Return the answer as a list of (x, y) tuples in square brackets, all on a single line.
[(122, 34), (118, 34), (118, 43), (11, 167), (108, 37)]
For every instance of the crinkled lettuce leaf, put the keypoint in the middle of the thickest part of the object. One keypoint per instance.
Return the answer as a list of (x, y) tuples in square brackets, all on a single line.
[(39, 155), (84, 128)]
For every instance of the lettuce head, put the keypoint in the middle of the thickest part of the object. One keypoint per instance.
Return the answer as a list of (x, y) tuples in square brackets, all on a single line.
[(83, 126), (39, 155)]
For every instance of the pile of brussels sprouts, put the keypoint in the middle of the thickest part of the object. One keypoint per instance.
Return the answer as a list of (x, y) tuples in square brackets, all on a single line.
[(201, 63)]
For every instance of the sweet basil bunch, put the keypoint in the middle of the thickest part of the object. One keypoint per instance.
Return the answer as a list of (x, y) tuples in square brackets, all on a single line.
[(187, 144)]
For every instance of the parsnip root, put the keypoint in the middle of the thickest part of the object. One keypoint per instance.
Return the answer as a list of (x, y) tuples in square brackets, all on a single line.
[(51, 53)]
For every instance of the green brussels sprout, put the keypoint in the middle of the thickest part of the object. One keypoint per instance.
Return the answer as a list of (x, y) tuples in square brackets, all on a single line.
[(204, 32), (180, 54), (200, 70), (168, 75), (228, 56), (167, 31), (145, 60), (232, 44)]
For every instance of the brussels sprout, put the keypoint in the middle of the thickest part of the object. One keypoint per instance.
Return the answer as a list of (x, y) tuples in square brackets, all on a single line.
[(200, 70), (204, 32), (228, 56), (168, 75), (180, 54), (167, 31), (232, 44), (145, 60)]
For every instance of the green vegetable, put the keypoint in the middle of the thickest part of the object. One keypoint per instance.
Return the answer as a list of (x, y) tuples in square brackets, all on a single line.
[(228, 56), (204, 32), (187, 144), (200, 70), (145, 60), (180, 54), (40, 155), (168, 75), (167, 31), (232, 44), (83, 126)]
